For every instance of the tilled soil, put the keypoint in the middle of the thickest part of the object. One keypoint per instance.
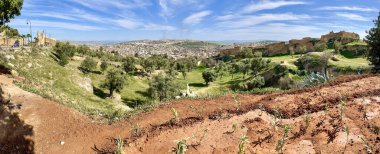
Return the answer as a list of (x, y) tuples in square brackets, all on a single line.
[(207, 125)]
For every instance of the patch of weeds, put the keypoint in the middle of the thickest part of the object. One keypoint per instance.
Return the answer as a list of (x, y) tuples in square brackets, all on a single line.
[(136, 131), (175, 119), (243, 141), (281, 142), (181, 147), (367, 146), (119, 148)]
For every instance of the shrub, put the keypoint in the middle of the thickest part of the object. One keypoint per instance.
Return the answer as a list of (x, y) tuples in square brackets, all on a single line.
[(104, 66), (64, 51), (285, 82), (315, 79), (162, 87), (208, 76), (88, 65)]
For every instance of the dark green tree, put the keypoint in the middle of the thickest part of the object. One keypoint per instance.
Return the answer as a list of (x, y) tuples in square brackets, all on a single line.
[(208, 76), (88, 65), (9, 9), (114, 81), (104, 66), (162, 87), (373, 41), (129, 64), (63, 52)]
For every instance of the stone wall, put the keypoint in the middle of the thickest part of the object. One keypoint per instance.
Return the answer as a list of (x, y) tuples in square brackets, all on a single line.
[(342, 37), (302, 46)]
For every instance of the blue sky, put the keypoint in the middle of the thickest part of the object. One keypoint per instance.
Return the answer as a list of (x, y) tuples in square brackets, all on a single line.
[(121, 20)]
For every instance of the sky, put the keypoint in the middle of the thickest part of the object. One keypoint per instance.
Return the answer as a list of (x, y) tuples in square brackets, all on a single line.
[(217, 20)]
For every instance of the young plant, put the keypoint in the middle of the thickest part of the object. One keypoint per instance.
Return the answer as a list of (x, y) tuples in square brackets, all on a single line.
[(238, 103), (281, 142), (136, 131), (243, 141), (367, 146), (261, 108), (307, 121), (327, 109), (175, 118), (342, 106), (277, 116), (203, 136), (181, 146), (120, 144), (347, 131), (234, 127)]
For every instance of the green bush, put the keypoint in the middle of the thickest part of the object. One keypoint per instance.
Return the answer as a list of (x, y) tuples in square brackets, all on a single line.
[(208, 76), (162, 87), (88, 65), (63, 52), (114, 81)]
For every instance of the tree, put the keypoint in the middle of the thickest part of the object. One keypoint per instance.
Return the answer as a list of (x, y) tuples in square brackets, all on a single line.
[(83, 50), (9, 9), (220, 69), (246, 53), (88, 65), (162, 87), (148, 65), (64, 51), (234, 69), (129, 65), (373, 41), (245, 67), (114, 81), (104, 66), (208, 76), (181, 67), (258, 65)]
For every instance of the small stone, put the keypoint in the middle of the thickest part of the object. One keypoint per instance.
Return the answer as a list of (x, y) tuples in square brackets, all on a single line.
[(62, 142)]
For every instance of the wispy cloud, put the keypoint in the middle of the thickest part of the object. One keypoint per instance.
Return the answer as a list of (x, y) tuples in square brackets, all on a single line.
[(347, 8), (246, 21), (169, 7), (60, 25), (196, 18), (268, 5), (352, 16), (139, 25)]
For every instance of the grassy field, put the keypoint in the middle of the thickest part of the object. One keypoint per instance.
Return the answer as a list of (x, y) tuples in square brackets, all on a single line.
[(45, 77)]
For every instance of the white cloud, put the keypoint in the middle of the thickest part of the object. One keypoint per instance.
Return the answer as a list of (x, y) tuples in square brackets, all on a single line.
[(268, 5), (138, 25), (168, 7), (352, 16), (151, 26), (347, 8), (246, 21), (196, 18), (60, 25)]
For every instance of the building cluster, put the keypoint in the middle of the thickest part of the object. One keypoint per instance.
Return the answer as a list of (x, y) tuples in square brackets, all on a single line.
[(42, 40), (302, 46)]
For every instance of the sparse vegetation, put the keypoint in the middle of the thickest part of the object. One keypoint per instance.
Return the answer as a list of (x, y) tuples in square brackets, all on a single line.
[(119, 143), (281, 143), (242, 143)]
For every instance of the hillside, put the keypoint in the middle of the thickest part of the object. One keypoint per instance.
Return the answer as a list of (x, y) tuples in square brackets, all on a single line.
[(330, 109)]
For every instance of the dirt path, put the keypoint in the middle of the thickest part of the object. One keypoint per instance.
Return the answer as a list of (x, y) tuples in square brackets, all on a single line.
[(57, 129)]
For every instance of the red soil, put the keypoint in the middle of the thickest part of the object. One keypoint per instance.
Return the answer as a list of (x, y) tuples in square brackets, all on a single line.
[(50, 124)]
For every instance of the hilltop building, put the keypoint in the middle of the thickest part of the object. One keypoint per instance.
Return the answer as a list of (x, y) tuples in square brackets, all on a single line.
[(44, 40)]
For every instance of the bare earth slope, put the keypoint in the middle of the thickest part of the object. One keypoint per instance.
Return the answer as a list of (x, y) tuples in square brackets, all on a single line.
[(53, 128)]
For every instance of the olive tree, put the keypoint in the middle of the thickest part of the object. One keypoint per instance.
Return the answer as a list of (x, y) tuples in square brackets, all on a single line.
[(88, 65), (162, 87), (114, 81), (208, 76)]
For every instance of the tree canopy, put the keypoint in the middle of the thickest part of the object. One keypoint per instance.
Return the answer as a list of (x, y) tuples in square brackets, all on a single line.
[(373, 41), (9, 9)]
